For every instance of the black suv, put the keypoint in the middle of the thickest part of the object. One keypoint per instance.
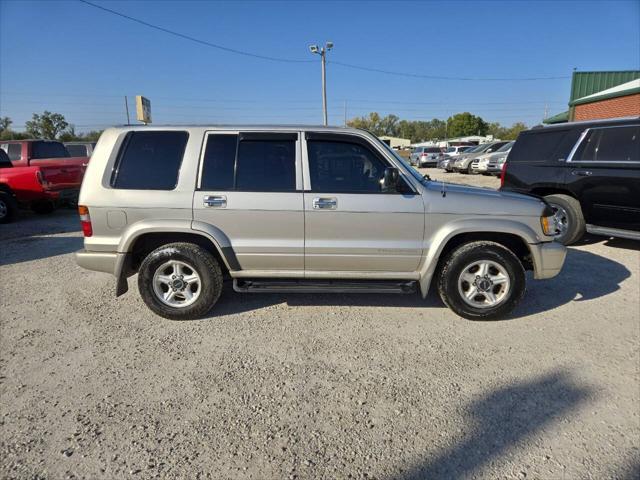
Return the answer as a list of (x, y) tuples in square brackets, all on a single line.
[(589, 172)]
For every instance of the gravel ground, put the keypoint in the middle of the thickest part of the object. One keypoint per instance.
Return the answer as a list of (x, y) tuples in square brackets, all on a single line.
[(315, 386)]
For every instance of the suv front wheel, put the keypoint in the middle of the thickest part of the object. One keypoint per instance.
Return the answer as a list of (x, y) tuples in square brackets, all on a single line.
[(568, 216), (481, 281), (180, 281)]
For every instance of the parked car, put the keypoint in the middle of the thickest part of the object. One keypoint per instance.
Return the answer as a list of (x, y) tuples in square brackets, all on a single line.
[(80, 149), (468, 152), (456, 150), (589, 172), (481, 164), (425, 156), (463, 162), (498, 159), (311, 209), (25, 186), (66, 176)]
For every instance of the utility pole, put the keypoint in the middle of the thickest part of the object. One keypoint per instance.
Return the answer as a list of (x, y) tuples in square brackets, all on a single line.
[(345, 113), (126, 107), (322, 51)]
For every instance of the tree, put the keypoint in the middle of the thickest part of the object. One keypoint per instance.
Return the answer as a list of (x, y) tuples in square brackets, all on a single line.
[(5, 124), (48, 125), (465, 124)]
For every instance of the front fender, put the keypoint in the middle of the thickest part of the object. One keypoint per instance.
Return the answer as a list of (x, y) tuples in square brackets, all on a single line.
[(436, 244)]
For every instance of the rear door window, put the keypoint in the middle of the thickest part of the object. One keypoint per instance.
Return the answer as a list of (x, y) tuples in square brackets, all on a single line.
[(612, 144), (150, 160), (261, 162)]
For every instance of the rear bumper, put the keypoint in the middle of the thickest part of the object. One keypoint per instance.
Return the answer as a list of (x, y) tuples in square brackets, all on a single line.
[(108, 262), (548, 259)]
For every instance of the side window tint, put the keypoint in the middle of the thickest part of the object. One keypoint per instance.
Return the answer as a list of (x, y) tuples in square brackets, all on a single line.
[(344, 167), (266, 165), (150, 160), (543, 146), (615, 144), (218, 163)]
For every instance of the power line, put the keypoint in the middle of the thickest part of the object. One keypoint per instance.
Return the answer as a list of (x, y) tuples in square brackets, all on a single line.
[(193, 39), (436, 77), (291, 60)]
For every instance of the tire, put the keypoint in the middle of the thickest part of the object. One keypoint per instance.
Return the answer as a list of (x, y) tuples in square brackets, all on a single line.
[(469, 170), (8, 207), (43, 207), (500, 260), (170, 261), (569, 213)]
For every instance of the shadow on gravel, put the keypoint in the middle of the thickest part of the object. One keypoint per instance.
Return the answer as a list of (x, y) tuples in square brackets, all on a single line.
[(36, 248), (613, 242), (585, 276), (501, 420)]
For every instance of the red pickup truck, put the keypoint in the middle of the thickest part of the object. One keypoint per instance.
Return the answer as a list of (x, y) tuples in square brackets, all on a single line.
[(38, 174)]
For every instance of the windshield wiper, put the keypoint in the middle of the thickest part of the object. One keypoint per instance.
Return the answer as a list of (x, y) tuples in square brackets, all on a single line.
[(426, 177)]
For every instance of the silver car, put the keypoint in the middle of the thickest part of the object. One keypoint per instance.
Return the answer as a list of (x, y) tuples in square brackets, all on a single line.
[(481, 163), (463, 162), (300, 209), (425, 156)]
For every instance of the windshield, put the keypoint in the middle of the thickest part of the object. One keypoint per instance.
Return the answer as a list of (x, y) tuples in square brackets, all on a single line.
[(414, 173), (474, 149), (506, 147)]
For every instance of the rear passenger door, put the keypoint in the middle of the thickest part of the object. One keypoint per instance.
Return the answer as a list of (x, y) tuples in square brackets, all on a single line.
[(250, 187), (605, 175), (351, 225)]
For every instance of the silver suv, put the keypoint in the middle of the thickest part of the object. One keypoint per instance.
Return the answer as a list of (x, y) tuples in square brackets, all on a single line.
[(309, 209)]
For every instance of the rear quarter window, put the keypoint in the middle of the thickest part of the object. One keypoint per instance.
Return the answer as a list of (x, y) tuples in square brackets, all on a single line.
[(150, 160), (541, 146)]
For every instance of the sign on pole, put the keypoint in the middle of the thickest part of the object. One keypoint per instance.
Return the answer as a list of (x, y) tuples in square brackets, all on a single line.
[(143, 109)]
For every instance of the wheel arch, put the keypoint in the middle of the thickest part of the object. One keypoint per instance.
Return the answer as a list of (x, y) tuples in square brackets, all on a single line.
[(511, 234)]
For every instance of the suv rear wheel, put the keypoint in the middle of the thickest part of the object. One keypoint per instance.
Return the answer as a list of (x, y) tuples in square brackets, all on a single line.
[(481, 281), (180, 281), (569, 218)]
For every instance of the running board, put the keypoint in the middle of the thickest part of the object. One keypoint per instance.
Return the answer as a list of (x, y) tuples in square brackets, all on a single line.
[(613, 232), (320, 286)]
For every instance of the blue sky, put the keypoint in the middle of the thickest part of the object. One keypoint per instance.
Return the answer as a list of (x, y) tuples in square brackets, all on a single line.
[(71, 58)]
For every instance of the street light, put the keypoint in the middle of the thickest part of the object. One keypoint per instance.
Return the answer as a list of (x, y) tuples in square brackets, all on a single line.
[(322, 51)]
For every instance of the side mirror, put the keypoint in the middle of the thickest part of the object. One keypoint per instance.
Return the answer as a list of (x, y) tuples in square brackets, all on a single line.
[(390, 180)]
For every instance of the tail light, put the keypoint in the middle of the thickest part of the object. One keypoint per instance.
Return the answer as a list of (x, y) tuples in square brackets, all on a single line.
[(503, 172), (41, 180), (85, 221)]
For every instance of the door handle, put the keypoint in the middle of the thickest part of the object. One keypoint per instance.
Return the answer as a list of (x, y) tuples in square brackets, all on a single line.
[(581, 173), (215, 201), (325, 203)]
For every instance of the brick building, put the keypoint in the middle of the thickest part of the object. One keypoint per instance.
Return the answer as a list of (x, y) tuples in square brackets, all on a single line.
[(596, 95), (620, 101)]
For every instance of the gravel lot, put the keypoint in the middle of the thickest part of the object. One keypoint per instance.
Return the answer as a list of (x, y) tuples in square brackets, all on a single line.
[(315, 386)]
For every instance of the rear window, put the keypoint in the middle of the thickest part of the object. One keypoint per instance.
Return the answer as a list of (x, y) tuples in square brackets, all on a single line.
[(14, 150), (77, 150), (41, 150), (432, 150), (543, 146), (150, 160), (5, 162)]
